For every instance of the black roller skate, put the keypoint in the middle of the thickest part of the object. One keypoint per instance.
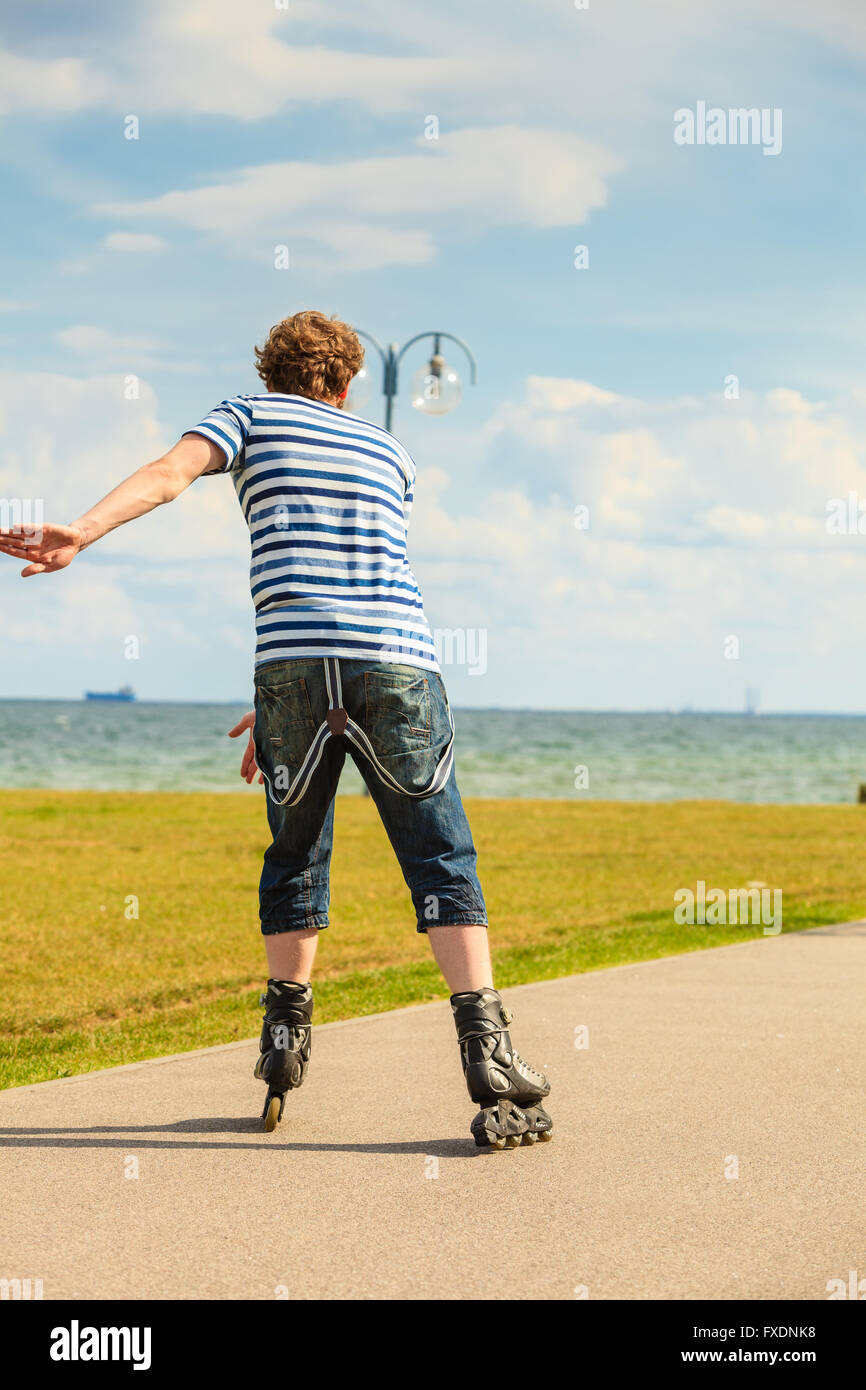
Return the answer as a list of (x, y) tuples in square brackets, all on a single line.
[(507, 1089), (285, 1044)]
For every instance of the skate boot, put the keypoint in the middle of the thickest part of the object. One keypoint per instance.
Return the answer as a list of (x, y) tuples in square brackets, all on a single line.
[(285, 1044), (506, 1088)]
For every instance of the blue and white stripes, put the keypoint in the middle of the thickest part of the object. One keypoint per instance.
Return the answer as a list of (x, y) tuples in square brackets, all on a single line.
[(327, 498)]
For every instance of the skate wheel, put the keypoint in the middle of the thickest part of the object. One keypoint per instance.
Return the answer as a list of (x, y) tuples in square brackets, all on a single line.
[(545, 1136), (496, 1143), (530, 1138), (272, 1113), (514, 1141)]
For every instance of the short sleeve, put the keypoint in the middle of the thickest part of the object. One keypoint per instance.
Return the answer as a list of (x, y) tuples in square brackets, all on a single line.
[(227, 426), (409, 474)]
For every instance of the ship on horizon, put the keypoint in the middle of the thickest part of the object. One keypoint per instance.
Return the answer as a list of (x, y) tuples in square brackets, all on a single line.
[(125, 694)]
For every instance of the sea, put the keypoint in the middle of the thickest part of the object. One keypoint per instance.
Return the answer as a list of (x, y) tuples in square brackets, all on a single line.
[(500, 753)]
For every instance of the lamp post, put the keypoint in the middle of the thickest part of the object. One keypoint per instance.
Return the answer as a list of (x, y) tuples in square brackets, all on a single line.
[(436, 387)]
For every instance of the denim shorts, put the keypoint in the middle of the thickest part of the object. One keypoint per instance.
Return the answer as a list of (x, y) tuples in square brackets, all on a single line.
[(404, 712)]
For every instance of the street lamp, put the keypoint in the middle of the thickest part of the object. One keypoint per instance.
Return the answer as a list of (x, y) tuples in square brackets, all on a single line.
[(435, 387)]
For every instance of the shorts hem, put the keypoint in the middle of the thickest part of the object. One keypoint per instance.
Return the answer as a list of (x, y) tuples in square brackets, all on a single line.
[(277, 929), (454, 919)]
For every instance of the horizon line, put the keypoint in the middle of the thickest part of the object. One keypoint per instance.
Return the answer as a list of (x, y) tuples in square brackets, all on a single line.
[(479, 709)]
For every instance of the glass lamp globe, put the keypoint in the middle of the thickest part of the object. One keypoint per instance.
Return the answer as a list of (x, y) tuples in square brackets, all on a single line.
[(436, 387), (360, 390)]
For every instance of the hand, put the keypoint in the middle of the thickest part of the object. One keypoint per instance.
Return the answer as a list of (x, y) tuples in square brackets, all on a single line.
[(48, 548), (249, 766)]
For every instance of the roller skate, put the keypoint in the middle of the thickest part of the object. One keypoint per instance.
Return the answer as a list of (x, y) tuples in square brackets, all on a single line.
[(505, 1087), (285, 1044)]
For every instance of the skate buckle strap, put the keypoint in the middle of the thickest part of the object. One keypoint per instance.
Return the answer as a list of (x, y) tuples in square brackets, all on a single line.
[(487, 1033), (338, 722), (506, 1017)]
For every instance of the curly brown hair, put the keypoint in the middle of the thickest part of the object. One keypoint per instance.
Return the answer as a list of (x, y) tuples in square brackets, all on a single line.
[(311, 355)]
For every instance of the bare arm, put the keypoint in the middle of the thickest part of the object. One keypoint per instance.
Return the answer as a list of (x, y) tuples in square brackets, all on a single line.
[(53, 547)]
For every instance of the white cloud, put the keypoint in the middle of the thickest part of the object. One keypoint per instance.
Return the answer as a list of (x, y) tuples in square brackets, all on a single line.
[(176, 578), (707, 518), (127, 353), (203, 57), (133, 242), (206, 56), (73, 438), (76, 438), (55, 84), (669, 462), (364, 210), (88, 338), (127, 243)]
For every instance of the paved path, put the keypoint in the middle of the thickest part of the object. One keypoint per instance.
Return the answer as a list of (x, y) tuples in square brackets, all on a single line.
[(371, 1188)]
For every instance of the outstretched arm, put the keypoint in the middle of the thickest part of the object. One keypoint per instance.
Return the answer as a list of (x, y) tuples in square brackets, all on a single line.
[(52, 547)]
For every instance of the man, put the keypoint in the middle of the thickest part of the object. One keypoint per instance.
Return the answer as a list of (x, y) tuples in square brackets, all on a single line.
[(344, 662)]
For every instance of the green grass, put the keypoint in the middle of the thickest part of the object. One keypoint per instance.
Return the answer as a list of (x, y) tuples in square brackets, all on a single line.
[(570, 886)]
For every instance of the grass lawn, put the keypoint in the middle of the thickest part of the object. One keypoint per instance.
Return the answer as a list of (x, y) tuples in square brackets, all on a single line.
[(570, 886)]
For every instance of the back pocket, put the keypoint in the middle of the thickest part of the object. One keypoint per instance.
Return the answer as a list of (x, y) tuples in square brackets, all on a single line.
[(284, 724), (398, 711)]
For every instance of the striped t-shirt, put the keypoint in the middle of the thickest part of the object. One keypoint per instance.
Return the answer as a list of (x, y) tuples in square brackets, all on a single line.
[(327, 498)]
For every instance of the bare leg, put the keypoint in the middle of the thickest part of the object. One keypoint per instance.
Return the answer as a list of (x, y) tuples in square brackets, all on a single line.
[(291, 954), (463, 956)]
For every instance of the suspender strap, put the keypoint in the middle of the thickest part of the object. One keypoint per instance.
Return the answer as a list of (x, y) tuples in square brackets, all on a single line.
[(337, 721)]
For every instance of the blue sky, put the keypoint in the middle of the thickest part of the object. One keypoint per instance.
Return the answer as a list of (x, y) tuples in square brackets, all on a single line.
[(602, 387)]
